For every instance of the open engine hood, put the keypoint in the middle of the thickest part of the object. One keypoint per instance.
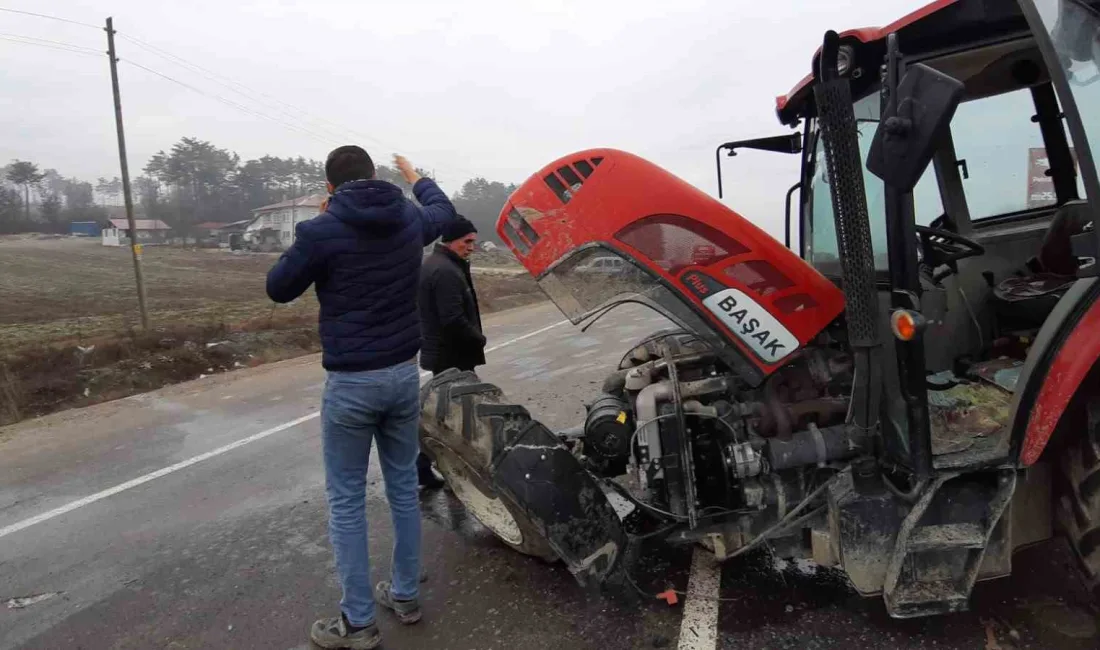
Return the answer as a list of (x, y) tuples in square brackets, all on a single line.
[(603, 227)]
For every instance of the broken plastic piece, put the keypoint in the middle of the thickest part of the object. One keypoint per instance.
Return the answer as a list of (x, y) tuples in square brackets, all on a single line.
[(669, 596)]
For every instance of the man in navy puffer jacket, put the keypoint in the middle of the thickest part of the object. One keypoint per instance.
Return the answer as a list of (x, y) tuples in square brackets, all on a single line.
[(363, 256)]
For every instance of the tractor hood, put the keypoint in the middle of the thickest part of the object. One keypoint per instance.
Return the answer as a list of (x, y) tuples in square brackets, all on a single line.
[(603, 227)]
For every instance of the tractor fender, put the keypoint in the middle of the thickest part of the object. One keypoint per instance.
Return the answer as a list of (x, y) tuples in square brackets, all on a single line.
[(1065, 351)]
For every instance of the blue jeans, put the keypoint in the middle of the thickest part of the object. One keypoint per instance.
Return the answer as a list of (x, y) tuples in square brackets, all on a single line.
[(383, 405)]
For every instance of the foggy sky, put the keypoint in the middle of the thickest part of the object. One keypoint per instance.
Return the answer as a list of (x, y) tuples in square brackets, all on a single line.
[(495, 88)]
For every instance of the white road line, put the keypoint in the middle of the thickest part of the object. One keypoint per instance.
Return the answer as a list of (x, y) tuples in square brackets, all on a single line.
[(699, 627), (141, 480), (526, 336), (160, 473)]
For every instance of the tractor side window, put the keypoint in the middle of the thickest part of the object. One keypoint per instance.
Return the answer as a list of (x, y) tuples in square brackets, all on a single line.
[(822, 253), (1001, 155), (1074, 29)]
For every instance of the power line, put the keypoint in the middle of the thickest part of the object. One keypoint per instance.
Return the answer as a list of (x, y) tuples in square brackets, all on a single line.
[(71, 46), (229, 102), (178, 60), (304, 117), (79, 49), (194, 67), (213, 77), (61, 47), (233, 104), (61, 20)]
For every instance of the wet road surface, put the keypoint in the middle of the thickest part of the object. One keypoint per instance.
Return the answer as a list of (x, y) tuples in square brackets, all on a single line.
[(230, 550)]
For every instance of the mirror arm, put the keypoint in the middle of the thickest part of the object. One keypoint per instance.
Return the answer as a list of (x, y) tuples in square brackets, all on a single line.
[(787, 230), (778, 144), (718, 164)]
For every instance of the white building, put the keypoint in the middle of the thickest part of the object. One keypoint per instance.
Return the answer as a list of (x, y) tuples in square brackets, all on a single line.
[(149, 231), (273, 225)]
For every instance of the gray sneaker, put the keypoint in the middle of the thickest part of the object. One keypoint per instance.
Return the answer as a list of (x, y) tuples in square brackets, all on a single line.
[(408, 611), (331, 633)]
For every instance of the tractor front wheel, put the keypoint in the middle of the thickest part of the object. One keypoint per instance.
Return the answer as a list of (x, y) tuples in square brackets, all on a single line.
[(463, 424), (1078, 509)]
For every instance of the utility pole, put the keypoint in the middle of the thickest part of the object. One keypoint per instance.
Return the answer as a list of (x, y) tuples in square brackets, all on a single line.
[(135, 248)]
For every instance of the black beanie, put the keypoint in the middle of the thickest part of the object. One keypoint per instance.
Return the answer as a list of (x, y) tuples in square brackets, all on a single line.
[(457, 228)]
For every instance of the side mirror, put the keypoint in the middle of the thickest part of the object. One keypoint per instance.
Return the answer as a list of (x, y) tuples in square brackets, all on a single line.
[(915, 119)]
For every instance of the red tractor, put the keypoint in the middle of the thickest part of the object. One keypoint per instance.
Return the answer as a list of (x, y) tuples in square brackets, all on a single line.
[(910, 394)]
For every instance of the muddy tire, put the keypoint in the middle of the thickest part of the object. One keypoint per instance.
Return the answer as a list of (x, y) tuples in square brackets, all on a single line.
[(464, 423), (1078, 509)]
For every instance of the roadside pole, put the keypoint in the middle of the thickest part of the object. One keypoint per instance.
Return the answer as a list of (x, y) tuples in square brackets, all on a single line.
[(135, 248)]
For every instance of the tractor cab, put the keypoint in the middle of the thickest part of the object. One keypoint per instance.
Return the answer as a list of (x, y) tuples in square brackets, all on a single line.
[(949, 186), (989, 247)]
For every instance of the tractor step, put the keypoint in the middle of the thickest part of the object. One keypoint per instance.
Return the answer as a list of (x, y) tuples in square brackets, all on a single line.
[(947, 536), (916, 599), (934, 565)]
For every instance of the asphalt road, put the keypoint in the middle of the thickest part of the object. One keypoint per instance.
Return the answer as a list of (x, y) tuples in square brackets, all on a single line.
[(194, 517)]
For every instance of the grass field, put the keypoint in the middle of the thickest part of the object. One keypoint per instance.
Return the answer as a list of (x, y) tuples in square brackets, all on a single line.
[(55, 290), (70, 328)]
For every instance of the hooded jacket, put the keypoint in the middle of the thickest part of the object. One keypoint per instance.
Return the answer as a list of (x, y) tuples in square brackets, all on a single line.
[(363, 256)]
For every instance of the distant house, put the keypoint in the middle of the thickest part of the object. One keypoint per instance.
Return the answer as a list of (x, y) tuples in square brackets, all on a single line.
[(272, 226), (209, 228), (149, 231), (222, 235)]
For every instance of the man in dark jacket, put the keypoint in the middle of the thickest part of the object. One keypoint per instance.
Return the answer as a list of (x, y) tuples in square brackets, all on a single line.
[(448, 303), (449, 314), (363, 257)]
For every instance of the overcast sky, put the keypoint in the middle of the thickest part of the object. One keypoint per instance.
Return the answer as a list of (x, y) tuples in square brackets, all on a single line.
[(496, 88)]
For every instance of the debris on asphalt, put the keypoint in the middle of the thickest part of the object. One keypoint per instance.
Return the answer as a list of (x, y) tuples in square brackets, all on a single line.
[(669, 596), (26, 601)]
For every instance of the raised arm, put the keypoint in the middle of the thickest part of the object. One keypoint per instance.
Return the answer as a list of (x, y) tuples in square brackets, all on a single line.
[(436, 209)]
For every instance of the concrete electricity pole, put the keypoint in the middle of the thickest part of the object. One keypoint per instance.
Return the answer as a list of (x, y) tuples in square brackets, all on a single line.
[(135, 248)]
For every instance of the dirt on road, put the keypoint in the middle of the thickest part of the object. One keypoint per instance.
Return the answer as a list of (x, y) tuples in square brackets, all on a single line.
[(70, 331)]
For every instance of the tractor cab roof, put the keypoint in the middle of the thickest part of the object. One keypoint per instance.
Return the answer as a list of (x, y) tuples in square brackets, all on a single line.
[(941, 26)]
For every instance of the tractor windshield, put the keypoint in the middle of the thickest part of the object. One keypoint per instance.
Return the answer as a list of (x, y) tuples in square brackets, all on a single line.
[(821, 239), (996, 144)]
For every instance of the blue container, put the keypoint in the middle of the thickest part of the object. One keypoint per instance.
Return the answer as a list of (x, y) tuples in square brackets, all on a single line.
[(84, 228)]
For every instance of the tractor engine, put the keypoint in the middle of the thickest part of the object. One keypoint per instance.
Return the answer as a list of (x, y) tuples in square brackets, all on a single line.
[(699, 445)]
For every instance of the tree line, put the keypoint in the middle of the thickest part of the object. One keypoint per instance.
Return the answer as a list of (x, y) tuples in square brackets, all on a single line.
[(197, 182), (61, 200)]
